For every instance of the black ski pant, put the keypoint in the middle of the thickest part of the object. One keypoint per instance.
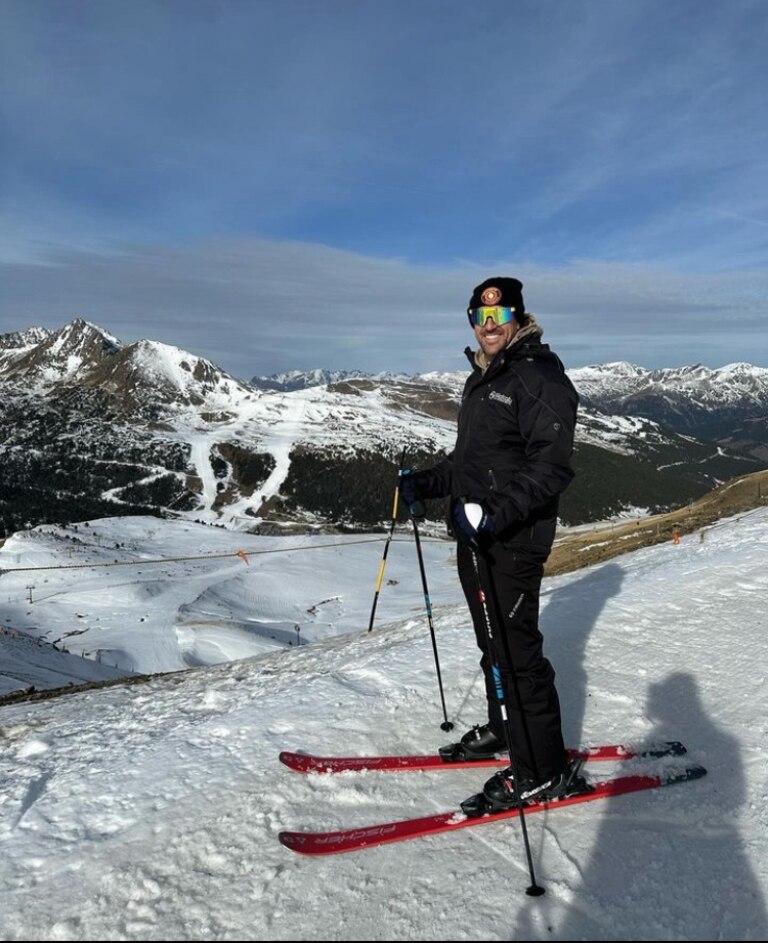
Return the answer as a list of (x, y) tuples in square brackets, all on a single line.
[(511, 581)]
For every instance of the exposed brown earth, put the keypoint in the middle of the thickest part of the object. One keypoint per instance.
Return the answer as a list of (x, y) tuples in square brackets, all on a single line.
[(575, 551)]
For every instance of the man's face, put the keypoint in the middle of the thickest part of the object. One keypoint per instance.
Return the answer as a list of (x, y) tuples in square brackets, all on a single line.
[(493, 338)]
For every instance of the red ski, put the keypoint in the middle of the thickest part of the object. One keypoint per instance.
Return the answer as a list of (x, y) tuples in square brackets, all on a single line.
[(354, 839), (307, 763)]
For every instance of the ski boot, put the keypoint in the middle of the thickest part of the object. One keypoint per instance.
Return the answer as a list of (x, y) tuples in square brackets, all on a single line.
[(480, 743), (499, 793)]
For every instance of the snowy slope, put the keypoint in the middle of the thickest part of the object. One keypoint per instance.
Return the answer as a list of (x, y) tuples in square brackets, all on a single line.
[(29, 663), (146, 612), (151, 811)]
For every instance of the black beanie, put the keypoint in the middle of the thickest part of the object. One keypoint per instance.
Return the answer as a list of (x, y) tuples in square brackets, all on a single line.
[(505, 292)]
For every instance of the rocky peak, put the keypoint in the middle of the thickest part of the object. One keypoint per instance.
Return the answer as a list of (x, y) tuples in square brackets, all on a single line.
[(63, 355), (21, 339), (149, 372)]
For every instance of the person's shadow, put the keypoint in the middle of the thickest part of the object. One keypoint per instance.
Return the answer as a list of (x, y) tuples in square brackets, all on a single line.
[(671, 864), (568, 616)]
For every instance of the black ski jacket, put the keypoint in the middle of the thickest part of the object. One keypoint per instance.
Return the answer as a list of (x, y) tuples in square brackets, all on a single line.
[(514, 444)]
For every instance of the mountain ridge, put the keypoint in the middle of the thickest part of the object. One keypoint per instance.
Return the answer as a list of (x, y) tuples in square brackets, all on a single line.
[(93, 427)]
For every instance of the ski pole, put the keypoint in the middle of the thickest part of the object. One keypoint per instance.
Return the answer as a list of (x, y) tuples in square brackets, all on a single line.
[(383, 564), (535, 889), (446, 724)]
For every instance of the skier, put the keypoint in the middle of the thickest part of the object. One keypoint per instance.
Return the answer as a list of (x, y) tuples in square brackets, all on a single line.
[(504, 477)]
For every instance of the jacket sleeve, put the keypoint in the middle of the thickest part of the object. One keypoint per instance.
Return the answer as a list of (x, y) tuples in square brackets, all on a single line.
[(435, 482), (546, 414)]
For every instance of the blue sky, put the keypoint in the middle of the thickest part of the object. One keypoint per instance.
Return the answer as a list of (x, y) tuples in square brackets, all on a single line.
[(280, 184)]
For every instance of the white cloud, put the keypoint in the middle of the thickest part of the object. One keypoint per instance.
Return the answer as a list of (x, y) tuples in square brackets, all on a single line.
[(262, 306)]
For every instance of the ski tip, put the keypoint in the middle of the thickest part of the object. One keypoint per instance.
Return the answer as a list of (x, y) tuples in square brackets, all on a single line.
[(660, 749), (292, 840), (675, 748), (685, 775), (298, 762)]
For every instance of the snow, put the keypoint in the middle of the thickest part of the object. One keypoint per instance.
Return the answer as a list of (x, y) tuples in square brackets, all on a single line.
[(151, 811), (730, 383), (738, 370), (280, 442)]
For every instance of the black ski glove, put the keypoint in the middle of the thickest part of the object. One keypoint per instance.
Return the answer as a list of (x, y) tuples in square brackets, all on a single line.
[(472, 524), (410, 495)]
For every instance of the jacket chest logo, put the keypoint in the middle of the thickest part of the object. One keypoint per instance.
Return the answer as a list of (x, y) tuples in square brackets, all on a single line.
[(501, 397)]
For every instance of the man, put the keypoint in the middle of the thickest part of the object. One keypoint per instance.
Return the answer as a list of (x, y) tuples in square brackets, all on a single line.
[(509, 466)]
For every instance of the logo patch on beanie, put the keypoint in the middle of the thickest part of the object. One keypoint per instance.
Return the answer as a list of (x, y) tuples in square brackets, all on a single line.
[(491, 296)]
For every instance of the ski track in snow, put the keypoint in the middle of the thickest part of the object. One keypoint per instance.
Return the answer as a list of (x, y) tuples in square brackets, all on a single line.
[(281, 442), (200, 459)]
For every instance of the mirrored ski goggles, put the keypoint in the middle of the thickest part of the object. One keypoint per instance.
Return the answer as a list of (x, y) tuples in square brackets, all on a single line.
[(499, 316)]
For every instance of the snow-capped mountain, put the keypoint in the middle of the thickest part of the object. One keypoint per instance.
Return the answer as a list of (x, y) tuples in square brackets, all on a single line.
[(45, 358), (696, 400), (135, 375), (692, 399), (303, 379), (736, 383), (90, 427), (21, 339)]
